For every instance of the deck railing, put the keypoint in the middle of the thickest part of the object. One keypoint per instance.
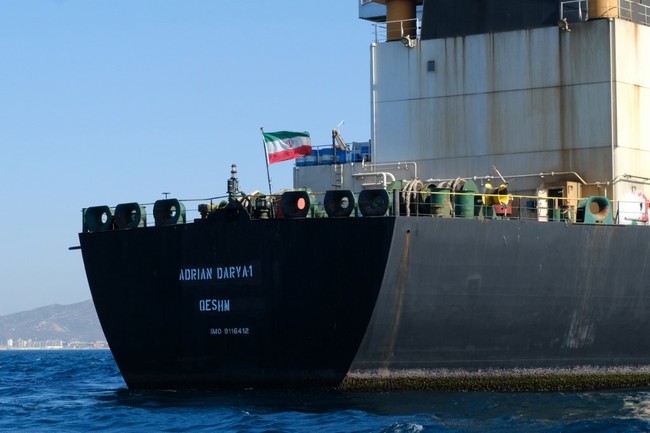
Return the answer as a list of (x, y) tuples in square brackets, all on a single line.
[(442, 204), (402, 27), (574, 10), (637, 11)]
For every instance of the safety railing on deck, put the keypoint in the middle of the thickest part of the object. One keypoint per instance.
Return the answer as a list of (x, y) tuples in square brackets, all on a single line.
[(396, 30), (637, 11), (593, 209), (437, 204), (574, 10)]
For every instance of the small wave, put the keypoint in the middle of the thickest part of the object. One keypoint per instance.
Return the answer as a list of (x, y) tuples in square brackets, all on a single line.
[(403, 428)]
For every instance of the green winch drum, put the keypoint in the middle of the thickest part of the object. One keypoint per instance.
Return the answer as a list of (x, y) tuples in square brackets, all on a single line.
[(440, 200), (464, 199)]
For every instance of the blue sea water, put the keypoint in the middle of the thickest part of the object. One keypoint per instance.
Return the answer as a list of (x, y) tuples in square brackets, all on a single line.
[(82, 391)]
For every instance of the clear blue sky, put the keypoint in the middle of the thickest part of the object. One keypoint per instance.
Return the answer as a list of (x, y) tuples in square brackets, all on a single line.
[(106, 102)]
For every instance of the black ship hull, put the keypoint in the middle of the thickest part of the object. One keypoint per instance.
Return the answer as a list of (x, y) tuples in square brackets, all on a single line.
[(472, 294), (235, 302), (238, 303)]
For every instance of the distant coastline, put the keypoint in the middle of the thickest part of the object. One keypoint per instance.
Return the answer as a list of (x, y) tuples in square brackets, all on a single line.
[(26, 349), (52, 345), (53, 327)]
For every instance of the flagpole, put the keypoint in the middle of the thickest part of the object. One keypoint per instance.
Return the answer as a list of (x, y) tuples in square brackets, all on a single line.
[(266, 159)]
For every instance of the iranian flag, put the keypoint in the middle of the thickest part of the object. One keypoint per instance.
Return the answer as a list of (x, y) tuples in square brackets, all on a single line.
[(284, 145)]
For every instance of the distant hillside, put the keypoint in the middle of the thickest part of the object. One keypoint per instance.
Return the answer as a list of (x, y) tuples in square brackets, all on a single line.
[(53, 322)]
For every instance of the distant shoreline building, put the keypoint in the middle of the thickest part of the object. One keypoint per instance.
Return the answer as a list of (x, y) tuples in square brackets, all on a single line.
[(30, 344)]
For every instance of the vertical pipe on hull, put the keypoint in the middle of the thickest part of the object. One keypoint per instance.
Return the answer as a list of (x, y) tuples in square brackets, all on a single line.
[(400, 17), (614, 102), (373, 103)]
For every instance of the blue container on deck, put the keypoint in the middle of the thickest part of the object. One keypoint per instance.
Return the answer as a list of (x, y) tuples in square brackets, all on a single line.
[(341, 156), (326, 156), (364, 153), (308, 160)]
